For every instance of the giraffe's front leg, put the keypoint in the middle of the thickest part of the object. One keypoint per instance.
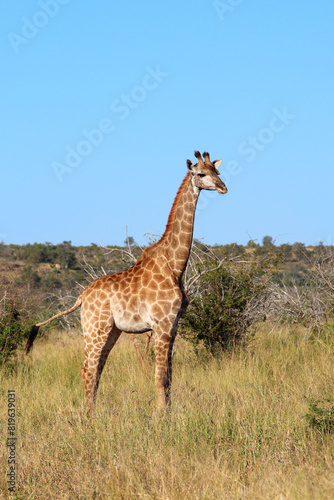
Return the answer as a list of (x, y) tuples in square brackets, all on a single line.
[(164, 342)]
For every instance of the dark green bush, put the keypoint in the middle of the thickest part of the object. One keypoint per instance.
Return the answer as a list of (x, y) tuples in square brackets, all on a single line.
[(321, 415), (14, 330), (230, 300), (30, 277), (18, 309)]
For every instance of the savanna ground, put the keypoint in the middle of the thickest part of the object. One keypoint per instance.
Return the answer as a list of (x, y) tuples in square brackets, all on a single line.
[(237, 428)]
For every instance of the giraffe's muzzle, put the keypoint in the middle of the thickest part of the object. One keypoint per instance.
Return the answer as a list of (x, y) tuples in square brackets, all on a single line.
[(222, 190)]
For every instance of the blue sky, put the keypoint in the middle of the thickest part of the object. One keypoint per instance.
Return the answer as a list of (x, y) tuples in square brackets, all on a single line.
[(102, 103)]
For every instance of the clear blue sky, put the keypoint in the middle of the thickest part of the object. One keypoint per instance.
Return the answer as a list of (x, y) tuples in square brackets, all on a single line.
[(102, 103)]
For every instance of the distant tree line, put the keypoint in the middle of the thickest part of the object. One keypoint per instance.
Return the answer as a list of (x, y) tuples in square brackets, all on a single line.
[(63, 254)]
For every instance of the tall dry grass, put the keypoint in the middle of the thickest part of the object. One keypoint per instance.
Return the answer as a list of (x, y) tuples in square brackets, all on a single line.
[(236, 429)]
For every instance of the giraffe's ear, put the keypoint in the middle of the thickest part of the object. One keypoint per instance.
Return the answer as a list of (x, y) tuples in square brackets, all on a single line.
[(217, 163), (190, 166)]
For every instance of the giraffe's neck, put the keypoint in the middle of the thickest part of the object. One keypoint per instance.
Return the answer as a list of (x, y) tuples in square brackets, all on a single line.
[(177, 239)]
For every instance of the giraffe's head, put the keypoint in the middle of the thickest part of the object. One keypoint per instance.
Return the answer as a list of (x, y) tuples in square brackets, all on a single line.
[(205, 173)]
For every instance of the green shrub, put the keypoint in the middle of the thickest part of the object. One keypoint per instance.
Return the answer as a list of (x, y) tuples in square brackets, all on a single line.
[(17, 315), (230, 300), (13, 332), (52, 281), (30, 277), (321, 415)]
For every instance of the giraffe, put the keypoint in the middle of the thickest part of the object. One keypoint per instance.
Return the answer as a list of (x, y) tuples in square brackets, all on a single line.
[(149, 296)]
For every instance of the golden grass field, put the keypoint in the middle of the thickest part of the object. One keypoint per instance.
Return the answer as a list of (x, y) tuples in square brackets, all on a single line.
[(236, 428)]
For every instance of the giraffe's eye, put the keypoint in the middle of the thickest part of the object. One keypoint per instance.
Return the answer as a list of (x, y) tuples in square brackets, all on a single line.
[(201, 175)]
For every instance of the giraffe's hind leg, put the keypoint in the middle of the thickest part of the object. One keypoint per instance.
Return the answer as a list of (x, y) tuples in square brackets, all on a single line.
[(147, 344), (97, 349), (139, 356), (144, 364)]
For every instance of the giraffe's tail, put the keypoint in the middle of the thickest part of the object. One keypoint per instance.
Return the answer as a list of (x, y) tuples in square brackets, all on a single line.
[(35, 328)]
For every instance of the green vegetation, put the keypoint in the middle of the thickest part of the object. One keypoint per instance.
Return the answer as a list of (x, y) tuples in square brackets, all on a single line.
[(321, 415), (11, 334), (16, 311), (229, 302), (66, 260), (39, 253)]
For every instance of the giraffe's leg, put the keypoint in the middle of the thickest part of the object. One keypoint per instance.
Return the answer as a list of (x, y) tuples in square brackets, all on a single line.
[(96, 353), (140, 357), (164, 343), (147, 343)]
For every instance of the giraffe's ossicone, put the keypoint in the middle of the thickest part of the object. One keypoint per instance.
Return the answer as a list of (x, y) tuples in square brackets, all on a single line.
[(148, 295)]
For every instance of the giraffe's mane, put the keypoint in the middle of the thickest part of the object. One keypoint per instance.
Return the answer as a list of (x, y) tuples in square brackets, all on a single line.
[(170, 220), (171, 217)]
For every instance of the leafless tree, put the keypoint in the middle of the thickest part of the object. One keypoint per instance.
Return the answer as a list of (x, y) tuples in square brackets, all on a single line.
[(311, 304)]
